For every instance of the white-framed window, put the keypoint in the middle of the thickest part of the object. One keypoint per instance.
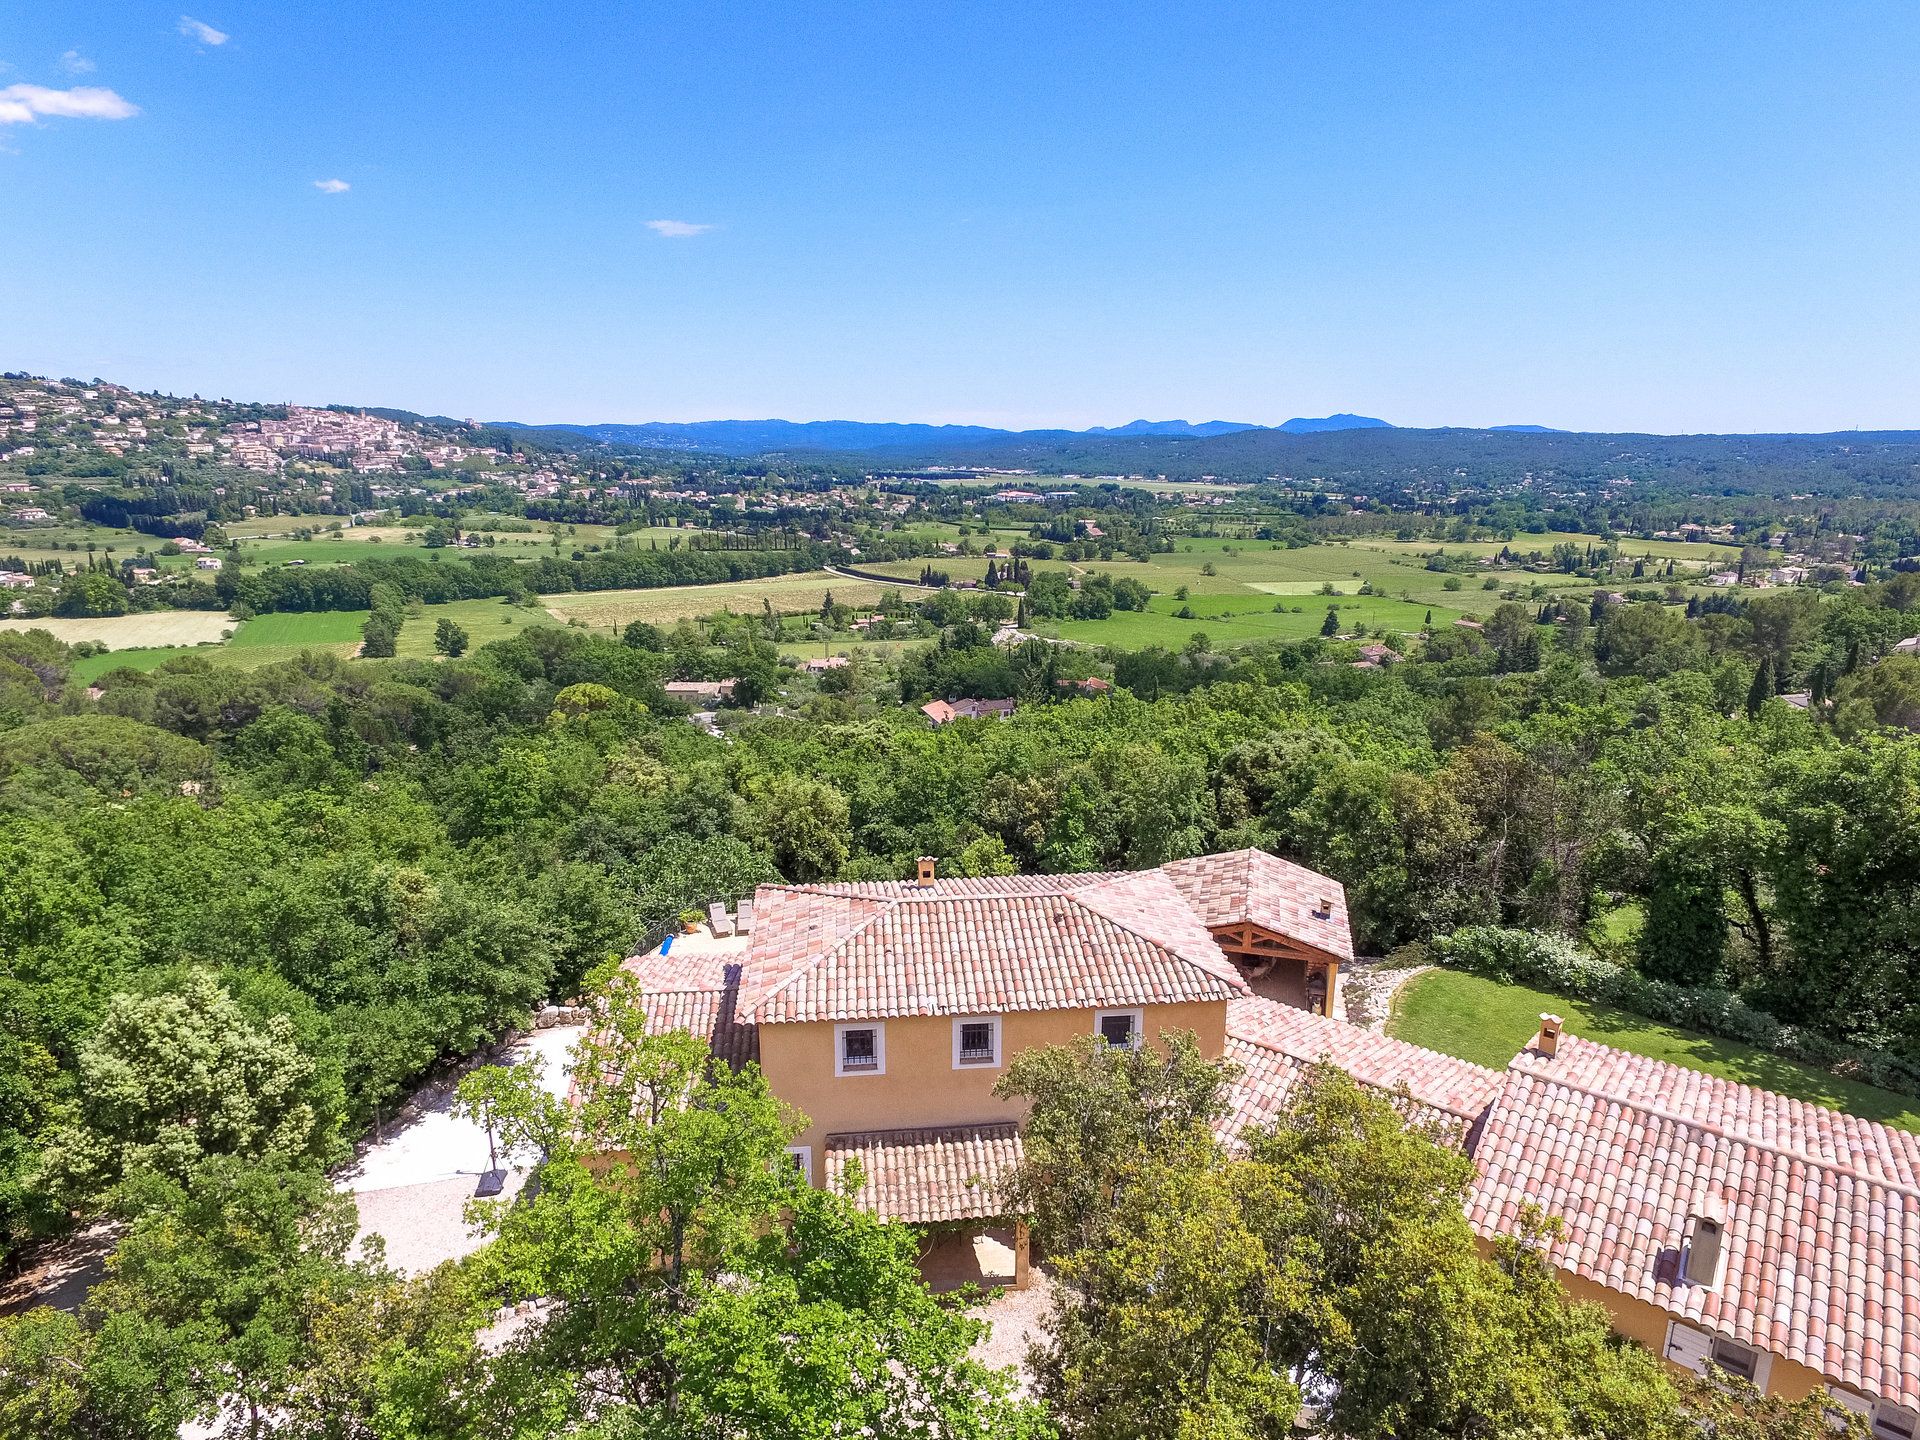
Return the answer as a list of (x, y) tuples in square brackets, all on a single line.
[(802, 1157), (1694, 1349), (976, 1042), (1120, 1027), (860, 1048)]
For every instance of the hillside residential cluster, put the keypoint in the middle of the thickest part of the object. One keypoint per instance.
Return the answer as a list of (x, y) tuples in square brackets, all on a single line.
[(1717, 1224)]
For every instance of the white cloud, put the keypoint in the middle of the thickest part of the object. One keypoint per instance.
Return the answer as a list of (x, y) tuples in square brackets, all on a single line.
[(23, 104), (677, 229), (199, 30), (332, 187), (74, 63)]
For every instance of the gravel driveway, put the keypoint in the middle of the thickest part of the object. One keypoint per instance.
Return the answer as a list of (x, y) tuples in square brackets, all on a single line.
[(413, 1183)]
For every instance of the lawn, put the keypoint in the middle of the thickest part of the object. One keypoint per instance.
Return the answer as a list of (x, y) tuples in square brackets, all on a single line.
[(1488, 1023)]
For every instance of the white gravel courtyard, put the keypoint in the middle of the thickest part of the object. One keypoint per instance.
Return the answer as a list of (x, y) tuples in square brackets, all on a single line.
[(413, 1183)]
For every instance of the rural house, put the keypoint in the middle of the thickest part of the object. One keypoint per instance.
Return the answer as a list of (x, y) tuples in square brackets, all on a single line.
[(944, 712), (1715, 1222), (699, 692), (886, 1011)]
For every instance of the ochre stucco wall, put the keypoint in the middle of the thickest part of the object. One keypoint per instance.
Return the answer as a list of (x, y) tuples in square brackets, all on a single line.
[(1639, 1320), (921, 1086)]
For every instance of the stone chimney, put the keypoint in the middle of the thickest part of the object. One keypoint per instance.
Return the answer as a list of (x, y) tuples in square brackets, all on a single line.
[(924, 877), (1549, 1041)]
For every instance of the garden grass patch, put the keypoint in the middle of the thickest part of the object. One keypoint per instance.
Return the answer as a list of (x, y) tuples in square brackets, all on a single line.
[(1488, 1023)]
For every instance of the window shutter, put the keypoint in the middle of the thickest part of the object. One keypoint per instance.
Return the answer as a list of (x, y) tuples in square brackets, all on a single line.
[(1846, 1400), (1688, 1347)]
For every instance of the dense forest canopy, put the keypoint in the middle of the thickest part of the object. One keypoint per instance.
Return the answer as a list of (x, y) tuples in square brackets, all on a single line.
[(403, 856)]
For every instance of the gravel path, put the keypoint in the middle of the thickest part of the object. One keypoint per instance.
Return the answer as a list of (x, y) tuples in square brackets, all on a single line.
[(1368, 987), (1015, 1316)]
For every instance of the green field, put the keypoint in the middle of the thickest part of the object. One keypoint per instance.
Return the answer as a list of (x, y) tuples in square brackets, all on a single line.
[(797, 650), (484, 621), (94, 666), (1235, 603), (788, 594), (318, 627), (270, 541), (269, 639), (1488, 1023)]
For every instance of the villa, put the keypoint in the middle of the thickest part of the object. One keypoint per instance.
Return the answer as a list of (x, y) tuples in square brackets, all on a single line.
[(1715, 1222)]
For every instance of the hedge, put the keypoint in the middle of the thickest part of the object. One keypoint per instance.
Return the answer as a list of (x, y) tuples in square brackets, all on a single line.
[(1553, 962)]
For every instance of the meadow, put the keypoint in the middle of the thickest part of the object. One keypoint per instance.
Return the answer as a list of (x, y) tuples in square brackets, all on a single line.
[(788, 594), (153, 628), (1240, 591), (1237, 592), (272, 541)]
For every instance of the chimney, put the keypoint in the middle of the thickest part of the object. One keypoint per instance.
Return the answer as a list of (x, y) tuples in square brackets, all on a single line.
[(1325, 912), (1549, 1041), (924, 879), (1705, 1241)]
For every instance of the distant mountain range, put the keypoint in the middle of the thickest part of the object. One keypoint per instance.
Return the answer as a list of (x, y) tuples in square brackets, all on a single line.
[(1302, 426), (760, 437)]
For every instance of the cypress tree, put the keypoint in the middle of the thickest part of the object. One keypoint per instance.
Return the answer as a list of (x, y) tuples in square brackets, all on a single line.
[(1762, 687)]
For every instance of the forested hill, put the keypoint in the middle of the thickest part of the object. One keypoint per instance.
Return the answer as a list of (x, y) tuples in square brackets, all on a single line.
[(759, 437), (1851, 462)]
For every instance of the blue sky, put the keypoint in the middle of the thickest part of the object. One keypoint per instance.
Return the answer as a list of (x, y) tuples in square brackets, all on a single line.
[(1672, 217)]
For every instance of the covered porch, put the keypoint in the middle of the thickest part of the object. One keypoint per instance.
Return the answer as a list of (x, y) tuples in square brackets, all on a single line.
[(1281, 968), (949, 1183)]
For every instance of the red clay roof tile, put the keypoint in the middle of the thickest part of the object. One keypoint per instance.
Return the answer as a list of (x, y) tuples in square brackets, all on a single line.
[(926, 1176), (1275, 1045), (1822, 1252), (1253, 887)]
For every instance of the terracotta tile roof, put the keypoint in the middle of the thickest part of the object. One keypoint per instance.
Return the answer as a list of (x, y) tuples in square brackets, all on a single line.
[(1822, 1252), (871, 952), (1275, 1044), (924, 1176), (1253, 887), (963, 885), (697, 988)]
